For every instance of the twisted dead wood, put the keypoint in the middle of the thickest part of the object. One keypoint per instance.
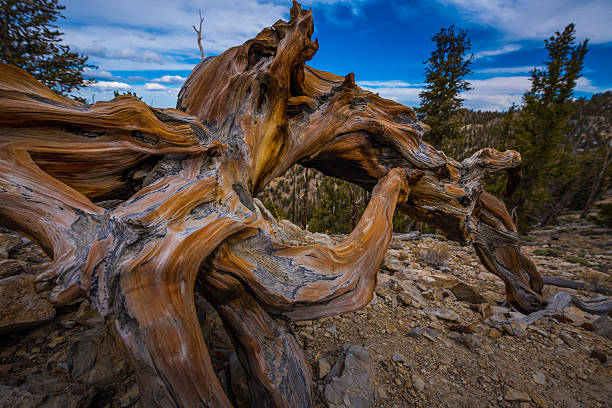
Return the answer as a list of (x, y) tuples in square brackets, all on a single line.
[(175, 188)]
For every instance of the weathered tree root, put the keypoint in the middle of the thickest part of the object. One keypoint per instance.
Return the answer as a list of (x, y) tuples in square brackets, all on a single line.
[(183, 181), (561, 300), (571, 284)]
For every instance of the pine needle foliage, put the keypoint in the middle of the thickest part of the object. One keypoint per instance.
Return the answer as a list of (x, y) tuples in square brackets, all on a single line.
[(30, 40), (549, 172), (445, 74)]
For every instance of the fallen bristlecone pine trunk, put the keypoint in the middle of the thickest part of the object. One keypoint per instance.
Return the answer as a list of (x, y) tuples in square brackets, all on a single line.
[(140, 209)]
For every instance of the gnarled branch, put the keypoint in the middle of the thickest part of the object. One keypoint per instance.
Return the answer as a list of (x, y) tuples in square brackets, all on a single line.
[(182, 183)]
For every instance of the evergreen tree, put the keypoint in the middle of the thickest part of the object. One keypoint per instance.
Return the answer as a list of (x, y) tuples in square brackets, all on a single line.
[(548, 171), (445, 72), (29, 40)]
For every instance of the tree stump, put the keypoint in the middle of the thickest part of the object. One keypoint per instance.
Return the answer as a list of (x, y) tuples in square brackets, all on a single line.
[(133, 204)]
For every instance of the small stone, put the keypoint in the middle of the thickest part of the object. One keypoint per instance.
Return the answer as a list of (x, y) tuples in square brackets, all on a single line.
[(539, 378), (399, 358), (512, 394), (493, 297), (324, 367), (394, 301), (539, 331), (515, 315), (467, 293), (416, 333), (494, 333), (431, 334), (471, 341), (443, 314), (540, 402), (417, 382), (331, 330), (519, 328), (482, 363), (569, 340)]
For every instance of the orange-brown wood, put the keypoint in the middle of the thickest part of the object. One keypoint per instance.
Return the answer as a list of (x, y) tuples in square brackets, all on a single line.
[(136, 204)]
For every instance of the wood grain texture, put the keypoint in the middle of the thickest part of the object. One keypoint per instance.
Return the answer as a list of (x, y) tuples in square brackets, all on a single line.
[(136, 204)]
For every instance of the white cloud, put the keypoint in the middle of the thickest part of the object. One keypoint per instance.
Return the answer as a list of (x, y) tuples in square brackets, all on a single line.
[(354, 5), (585, 85), (497, 93), (530, 19), (142, 56), (508, 70), (399, 91), (150, 86), (109, 85), (386, 84), (170, 79), (506, 49), (96, 73), (147, 34)]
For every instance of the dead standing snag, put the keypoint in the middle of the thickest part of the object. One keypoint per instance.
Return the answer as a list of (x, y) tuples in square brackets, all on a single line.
[(183, 181)]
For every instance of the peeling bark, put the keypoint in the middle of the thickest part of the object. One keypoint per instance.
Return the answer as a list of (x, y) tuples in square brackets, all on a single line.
[(183, 181)]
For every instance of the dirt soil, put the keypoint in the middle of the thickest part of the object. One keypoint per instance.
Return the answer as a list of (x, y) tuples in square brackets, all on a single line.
[(429, 330), (461, 361)]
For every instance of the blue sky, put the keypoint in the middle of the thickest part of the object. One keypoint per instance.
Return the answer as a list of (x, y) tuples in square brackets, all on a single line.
[(149, 46)]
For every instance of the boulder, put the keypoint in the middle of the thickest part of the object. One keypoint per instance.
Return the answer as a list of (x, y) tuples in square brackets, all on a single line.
[(467, 293), (603, 327), (20, 306), (350, 383)]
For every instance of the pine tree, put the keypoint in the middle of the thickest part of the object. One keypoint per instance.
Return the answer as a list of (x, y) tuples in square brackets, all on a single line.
[(445, 72), (548, 171), (29, 40)]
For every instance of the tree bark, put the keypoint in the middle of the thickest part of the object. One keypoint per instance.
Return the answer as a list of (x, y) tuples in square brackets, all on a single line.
[(184, 180)]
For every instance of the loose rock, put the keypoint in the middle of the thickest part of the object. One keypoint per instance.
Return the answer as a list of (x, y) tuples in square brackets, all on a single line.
[(20, 306)]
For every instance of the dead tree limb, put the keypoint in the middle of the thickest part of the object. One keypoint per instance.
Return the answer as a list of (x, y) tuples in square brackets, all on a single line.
[(199, 33), (184, 180), (571, 284)]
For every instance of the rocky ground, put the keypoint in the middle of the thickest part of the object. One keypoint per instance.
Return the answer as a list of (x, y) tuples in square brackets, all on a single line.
[(436, 334)]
